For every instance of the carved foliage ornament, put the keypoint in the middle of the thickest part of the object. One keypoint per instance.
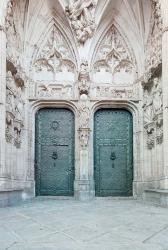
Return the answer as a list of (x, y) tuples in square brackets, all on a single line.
[(81, 15)]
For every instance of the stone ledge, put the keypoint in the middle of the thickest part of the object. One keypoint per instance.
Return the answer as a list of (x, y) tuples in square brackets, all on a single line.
[(156, 196), (11, 190)]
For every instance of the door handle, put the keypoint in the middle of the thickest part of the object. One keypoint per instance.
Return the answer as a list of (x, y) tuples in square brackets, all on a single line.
[(113, 158)]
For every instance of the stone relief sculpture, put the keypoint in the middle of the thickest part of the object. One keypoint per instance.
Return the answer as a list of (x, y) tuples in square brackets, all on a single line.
[(150, 137), (84, 114), (14, 110), (84, 78), (112, 93), (84, 119), (153, 112), (157, 96), (19, 105), (81, 16), (84, 137), (154, 43), (58, 91), (148, 107)]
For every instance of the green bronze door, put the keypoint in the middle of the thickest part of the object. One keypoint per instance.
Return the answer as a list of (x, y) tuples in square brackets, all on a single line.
[(54, 164), (113, 156)]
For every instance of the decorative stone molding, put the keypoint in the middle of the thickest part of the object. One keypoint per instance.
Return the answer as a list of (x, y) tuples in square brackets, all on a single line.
[(81, 15)]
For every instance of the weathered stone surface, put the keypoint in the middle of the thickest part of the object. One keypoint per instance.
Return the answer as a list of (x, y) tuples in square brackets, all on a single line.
[(101, 224)]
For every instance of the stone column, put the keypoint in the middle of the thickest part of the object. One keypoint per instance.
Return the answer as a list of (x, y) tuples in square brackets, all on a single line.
[(2, 96), (164, 11)]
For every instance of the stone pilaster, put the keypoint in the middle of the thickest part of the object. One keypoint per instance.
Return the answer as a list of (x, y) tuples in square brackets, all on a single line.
[(164, 8), (84, 186)]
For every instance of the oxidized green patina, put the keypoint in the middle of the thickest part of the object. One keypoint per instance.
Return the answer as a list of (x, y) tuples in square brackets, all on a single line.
[(54, 165), (113, 152)]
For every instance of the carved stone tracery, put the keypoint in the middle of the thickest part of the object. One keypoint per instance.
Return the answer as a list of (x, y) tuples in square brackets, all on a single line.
[(114, 57), (55, 56)]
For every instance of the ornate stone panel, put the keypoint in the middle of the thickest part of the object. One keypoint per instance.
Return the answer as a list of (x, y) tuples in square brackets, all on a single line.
[(114, 62), (54, 70)]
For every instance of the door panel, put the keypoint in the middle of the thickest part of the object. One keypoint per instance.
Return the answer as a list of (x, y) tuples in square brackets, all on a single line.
[(113, 153), (54, 152)]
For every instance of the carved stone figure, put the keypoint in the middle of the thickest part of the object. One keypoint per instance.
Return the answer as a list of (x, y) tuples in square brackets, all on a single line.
[(148, 107), (10, 93), (19, 105), (150, 136), (17, 134), (84, 137), (82, 18), (84, 78), (84, 115), (157, 97), (9, 127)]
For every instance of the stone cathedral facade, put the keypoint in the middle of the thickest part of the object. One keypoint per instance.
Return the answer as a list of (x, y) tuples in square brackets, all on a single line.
[(83, 99)]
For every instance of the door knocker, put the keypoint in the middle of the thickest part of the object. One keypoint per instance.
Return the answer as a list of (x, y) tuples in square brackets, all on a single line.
[(54, 157), (113, 158)]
